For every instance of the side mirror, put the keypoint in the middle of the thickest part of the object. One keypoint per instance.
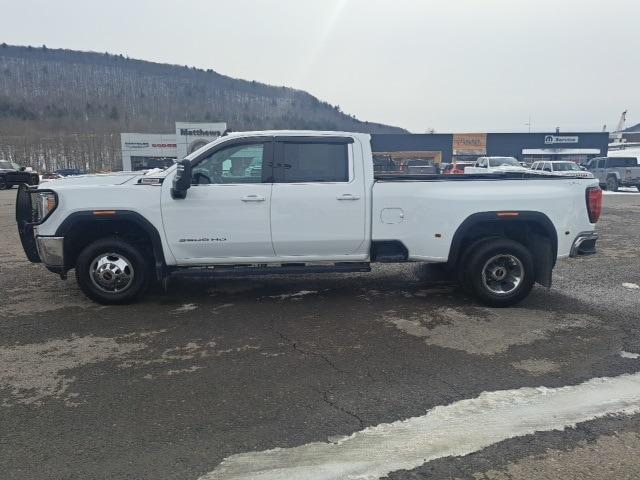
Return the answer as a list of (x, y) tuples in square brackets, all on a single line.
[(22, 169), (182, 180)]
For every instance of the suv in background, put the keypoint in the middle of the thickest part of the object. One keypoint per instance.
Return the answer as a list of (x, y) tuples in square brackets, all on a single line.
[(563, 168), (615, 172), (13, 174), (418, 166)]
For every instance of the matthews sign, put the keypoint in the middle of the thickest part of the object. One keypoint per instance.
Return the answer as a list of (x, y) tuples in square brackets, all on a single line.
[(198, 132), (191, 136)]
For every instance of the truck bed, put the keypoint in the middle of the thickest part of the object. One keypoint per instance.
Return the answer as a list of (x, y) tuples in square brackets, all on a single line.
[(424, 212)]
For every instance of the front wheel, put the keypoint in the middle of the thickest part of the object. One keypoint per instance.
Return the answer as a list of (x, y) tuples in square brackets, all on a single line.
[(112, 271), (612, 184), (3, 183), (501, 272)]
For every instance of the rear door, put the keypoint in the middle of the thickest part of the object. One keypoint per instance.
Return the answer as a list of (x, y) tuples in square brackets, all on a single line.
[(318, 202)]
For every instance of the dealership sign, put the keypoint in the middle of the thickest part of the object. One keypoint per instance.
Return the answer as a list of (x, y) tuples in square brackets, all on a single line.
[(198, 132), (469, 143), (136, 144), (553, 139)]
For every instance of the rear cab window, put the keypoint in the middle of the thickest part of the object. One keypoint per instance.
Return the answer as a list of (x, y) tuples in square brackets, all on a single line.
[(312, 160), (620, 162)]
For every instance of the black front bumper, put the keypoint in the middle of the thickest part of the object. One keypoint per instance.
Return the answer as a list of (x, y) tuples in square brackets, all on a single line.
[(25, 216)]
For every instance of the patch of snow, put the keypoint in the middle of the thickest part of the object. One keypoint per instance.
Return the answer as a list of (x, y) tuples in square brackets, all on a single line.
[(633, 356), (622, 191), (301, 293), (187, 307), (457, 429), (631, 286)]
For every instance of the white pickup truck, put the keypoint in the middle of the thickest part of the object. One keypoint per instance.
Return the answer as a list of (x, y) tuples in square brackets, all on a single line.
[(303, 202), (496, 165)]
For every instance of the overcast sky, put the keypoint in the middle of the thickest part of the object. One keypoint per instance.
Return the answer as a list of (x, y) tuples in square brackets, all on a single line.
[(452, 65)]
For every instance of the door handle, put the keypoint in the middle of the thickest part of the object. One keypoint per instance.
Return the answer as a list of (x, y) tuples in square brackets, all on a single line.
[(348, 196), (252, 198)]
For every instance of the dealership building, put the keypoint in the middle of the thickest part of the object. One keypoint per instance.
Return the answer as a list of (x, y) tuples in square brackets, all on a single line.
[(526, 147), (141, 151)]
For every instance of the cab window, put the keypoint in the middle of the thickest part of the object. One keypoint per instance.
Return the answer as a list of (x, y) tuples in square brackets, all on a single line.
[(234, 164), (306, 161)]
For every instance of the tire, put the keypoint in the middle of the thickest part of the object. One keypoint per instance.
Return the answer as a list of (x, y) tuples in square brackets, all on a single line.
[(3, 183), (492, 267), (462, 272), (612, 184), (112, 271)]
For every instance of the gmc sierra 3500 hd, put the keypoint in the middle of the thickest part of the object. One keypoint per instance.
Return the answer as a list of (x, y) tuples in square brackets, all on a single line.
[(258, 203)]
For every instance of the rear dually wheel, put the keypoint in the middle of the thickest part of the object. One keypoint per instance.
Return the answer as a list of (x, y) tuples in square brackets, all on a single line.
[(500, 272)]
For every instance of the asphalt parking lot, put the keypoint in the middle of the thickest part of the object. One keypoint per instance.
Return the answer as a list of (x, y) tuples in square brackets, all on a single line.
[(170, 387)]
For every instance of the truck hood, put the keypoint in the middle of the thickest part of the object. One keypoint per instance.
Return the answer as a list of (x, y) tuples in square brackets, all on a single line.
[(509, 168), (96, 180)]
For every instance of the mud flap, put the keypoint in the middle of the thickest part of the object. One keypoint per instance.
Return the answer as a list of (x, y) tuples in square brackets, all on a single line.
[(542, 251)]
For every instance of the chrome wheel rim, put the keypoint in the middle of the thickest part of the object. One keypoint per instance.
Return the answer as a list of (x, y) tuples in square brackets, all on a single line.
[(502, 274), (111, 272)]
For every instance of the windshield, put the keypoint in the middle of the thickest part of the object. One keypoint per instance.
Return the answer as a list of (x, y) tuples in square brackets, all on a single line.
[(565, 167), (506, 161), (6, 165)]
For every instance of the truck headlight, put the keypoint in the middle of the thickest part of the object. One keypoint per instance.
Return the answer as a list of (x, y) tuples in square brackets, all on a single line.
[(46, 202)]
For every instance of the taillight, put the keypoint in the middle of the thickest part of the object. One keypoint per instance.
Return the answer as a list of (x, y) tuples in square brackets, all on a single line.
[(594, 203)]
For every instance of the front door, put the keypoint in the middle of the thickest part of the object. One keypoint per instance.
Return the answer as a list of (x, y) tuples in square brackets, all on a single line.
[(318, 204), (225, 215)]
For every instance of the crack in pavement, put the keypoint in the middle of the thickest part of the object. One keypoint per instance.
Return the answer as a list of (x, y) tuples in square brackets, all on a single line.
[(295, 346), (325, 397)]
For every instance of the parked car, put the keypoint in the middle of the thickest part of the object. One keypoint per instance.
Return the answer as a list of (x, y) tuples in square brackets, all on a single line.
[(417, 166), (615, 172), (457, 168), (69, 172), (384, 164), (560, 167), (13, 174), (317, 207), (496, 165)]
